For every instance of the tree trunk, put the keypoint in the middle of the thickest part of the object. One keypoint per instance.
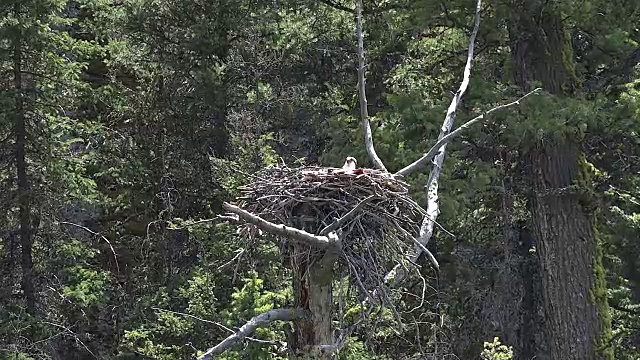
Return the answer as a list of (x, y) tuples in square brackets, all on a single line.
[(574, 295), (219, 96), (24, 201), (576, 320), (312, 286), (519, 284)]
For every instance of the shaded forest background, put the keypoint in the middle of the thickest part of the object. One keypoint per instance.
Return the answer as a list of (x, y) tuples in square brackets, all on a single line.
[(124, 121)]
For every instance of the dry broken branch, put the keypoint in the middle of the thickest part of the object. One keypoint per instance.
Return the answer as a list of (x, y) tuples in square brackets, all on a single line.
[(364, 112), (318, 241), (341, 221), (115, 257), (450, 136), (453, 107), (247, 329), (397, 275)]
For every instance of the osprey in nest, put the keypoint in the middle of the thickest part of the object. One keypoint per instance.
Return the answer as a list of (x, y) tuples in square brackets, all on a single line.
[(349, 168), (350, 164)]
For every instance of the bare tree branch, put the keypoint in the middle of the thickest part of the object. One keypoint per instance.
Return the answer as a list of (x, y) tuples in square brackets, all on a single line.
[(302, 236), (74, 335), (204, 221), (397, 275), (433, 208), (451, 112), (247, 329), (447, 138), (269, 342), (364, 113)]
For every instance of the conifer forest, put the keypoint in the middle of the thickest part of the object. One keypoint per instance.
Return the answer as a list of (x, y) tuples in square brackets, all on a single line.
[(320, 179)]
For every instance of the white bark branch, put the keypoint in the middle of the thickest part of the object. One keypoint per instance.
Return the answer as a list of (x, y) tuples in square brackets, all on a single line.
[(364, 112), (269, 342), (292, 233), (450, 136), (453, 107), (433, 208), (397, 274), (247, 329)]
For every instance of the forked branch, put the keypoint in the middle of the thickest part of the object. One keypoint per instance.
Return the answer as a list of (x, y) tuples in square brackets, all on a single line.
[(247, 329), (450, 136), (453, 107), (397, 275), (433, 207)]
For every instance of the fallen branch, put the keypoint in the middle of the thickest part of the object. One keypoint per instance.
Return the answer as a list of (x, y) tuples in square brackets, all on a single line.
[(247, 329), (364, 112), (302, 236)]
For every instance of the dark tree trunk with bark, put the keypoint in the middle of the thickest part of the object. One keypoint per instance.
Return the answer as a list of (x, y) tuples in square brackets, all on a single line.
[(567, 250), (312, 291), (312, 286), (519, 283), (573, 293), (24, 202)]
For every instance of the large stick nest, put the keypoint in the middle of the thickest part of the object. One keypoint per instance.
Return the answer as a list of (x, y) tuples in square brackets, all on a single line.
[(375, 237)]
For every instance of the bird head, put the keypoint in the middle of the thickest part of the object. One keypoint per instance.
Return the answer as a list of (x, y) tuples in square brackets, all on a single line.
[(350, 163)]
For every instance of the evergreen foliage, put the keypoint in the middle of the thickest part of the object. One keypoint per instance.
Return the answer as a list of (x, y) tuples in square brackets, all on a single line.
[(125, 124)]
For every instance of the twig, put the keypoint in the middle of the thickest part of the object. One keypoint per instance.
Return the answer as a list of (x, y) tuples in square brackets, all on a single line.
[(257, 321), (115, 257), (432, 258), (232, 260), (203, 221), (341, 341), (75, 336), (338, 223), (364, 112)]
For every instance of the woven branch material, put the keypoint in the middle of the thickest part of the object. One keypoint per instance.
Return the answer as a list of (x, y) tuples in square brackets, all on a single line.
[(377, 216)]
